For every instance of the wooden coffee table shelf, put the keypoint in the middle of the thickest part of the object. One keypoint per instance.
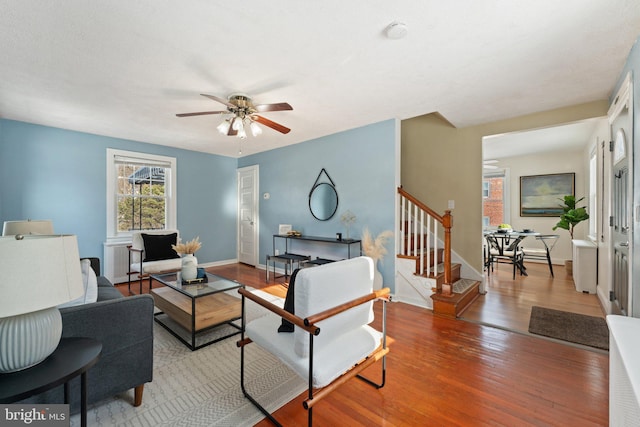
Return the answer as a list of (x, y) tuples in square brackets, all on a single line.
[(211, 305), (211, 310)]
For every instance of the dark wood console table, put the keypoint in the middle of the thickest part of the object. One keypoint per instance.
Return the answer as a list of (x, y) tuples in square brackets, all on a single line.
[(332, 240)]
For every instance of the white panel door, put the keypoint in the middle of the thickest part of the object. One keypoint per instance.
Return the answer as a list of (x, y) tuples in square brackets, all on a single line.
[(248, 215), (620, 119)]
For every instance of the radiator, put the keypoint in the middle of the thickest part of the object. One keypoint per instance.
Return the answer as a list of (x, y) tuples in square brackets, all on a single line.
[(624, 371), (116, 261)]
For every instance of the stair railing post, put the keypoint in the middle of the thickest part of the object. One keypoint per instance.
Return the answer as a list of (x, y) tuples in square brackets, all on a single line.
[(447, 224)]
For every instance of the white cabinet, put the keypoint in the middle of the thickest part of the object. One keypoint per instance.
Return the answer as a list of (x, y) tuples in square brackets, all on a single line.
[(585, 265), (624, 371)]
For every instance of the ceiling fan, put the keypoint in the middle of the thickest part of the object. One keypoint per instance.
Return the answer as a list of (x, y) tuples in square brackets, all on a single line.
[(488, 164), (243, 113)]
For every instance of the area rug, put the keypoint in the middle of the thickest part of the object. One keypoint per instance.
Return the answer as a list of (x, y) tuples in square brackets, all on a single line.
[(202, 388), (576, 328)]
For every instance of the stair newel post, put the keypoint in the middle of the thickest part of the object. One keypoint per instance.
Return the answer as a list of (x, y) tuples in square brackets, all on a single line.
[(447, 223)]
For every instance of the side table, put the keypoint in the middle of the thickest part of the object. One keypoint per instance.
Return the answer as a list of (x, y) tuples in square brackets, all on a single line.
[(73, 357)]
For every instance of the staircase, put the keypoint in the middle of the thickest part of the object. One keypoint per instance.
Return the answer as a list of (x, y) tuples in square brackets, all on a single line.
[(426, 274)]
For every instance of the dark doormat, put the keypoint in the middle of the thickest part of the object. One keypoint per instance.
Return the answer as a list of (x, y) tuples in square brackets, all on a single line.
[(572, 327)]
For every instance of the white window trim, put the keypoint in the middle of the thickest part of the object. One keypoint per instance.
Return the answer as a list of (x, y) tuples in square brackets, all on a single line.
[(113, 236)]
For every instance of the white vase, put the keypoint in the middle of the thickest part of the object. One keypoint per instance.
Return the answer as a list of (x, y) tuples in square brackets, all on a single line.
[(377, 279), (189, 267)]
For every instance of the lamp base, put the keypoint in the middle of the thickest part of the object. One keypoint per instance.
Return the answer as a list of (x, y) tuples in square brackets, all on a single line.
[(27, 339)]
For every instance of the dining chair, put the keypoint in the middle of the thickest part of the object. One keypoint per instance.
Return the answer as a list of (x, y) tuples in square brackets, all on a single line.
[(505, 249)]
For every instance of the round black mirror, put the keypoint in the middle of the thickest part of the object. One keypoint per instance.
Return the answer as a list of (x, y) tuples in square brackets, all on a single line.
[(323, 201)]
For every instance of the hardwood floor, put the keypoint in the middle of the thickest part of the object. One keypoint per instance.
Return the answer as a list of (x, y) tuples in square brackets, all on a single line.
[(444, 372), (507, 303)]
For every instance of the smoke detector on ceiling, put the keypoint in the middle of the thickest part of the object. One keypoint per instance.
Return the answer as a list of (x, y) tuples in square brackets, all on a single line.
[(396, 30)]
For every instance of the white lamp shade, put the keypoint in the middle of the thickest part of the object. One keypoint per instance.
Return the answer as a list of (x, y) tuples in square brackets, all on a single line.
[(42, 226), (38, 272), (255, 129)]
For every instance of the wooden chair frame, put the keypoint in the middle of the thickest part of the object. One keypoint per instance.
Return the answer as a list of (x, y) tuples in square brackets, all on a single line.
[(309, 325)]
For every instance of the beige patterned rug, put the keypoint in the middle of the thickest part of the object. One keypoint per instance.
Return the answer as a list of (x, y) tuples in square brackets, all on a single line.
[(202, 388)]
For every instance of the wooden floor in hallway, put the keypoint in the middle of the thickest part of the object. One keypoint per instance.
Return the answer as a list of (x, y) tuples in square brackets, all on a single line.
[(507, 302)]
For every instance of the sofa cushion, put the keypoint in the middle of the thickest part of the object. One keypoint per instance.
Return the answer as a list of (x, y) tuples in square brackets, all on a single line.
[(89, 283), (154, 267), (157, 247), (108, 293)]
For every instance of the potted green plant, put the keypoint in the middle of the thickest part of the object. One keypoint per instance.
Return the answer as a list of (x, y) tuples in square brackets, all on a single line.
[(571, 216)]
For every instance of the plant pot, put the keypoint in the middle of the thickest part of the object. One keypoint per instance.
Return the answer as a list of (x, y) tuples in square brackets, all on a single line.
[(568, 266)]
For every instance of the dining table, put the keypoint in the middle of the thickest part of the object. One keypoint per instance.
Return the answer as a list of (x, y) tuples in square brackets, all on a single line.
[(504, 242)]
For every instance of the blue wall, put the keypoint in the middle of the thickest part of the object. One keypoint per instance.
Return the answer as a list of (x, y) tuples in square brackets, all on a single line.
[(57, 174), (362, 164), (51, 173)]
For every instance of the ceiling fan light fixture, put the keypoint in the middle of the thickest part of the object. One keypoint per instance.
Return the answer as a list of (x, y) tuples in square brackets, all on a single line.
[(237, 124), (242, 134), (223, 127), (255, 129)]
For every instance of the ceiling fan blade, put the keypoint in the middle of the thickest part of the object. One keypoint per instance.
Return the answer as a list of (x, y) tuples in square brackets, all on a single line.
[(282, 106), (271, 124), (220, 100), (202, 113)]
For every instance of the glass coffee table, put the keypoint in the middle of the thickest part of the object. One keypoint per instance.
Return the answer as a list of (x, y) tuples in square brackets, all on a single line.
[(189, 311)]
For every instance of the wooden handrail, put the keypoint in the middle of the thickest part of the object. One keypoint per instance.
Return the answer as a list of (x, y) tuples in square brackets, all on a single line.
[(446, 221), (422, 206)]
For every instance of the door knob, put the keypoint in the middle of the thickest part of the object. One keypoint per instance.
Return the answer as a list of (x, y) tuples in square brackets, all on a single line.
[(625, 244)]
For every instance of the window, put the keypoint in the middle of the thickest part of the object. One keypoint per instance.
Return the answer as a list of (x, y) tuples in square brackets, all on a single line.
[(495, 198), (485, 189), (140, 193)]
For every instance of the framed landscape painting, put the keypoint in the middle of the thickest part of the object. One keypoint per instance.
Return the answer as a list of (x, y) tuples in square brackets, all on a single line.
[(541, 195)]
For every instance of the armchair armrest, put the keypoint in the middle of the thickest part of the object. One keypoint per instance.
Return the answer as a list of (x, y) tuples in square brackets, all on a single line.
[(117, 323), (298, 321), (309, 322)]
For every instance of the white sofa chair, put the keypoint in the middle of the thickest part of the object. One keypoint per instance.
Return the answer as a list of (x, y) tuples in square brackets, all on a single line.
[(331, 341), (155, 257)]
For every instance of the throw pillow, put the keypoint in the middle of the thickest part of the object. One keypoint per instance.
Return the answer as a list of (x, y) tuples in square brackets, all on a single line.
[(157, 247), (285, 325), (90, 286)]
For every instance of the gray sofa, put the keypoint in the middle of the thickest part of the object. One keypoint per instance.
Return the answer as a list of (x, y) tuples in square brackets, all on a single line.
[(125, 328)]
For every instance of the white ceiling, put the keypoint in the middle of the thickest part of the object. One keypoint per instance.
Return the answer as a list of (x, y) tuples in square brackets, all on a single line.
[(125, 68), (571, 136)]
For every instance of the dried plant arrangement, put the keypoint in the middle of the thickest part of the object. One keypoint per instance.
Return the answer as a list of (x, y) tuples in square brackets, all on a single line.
[(188, 248), (374, 248)]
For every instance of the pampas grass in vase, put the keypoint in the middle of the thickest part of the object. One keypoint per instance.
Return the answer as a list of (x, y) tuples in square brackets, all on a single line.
[(375, 249)]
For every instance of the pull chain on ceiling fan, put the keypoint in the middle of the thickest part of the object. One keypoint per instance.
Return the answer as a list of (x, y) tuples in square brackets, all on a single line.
[(243, 113)]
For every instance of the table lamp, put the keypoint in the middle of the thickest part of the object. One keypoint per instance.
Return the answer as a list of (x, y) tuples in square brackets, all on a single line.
[(36, 274), (29, 226)]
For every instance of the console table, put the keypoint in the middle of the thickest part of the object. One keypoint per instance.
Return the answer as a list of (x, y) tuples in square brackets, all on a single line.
[(288, 259), (332, 240)]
